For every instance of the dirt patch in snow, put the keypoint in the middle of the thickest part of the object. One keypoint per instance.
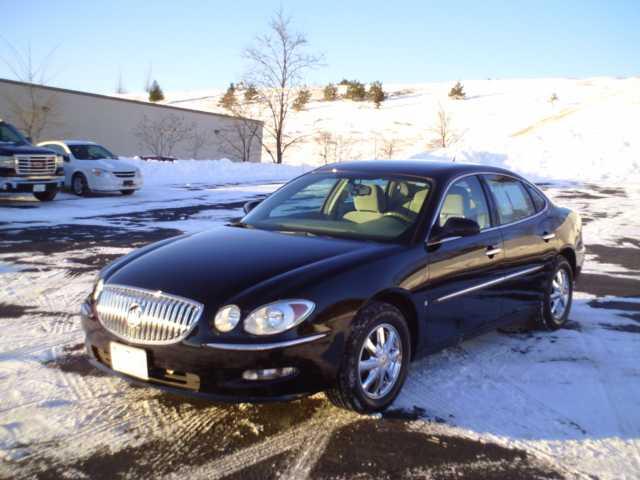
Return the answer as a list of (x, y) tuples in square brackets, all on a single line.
[(627, 257), (604, 285)]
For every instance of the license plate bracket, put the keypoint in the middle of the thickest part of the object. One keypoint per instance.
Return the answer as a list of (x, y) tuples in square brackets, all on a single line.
[(129, 360), (40, 188)]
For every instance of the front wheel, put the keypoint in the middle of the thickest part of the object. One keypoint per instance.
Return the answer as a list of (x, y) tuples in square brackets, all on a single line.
[(46, 196), (127, 192), (558, 296), (79, 185), (376, 360)]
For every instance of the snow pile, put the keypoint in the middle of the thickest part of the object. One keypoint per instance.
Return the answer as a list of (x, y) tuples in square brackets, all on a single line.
[(213, 172)]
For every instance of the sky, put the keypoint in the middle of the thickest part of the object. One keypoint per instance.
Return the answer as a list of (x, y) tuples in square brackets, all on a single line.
[(197, 45)]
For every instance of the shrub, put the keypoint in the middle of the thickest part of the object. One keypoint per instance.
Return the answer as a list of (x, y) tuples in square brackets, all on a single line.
[(330, 92), (457, 91), (376, 94), (303, 97), (155, 92), (229, 100), (356, 91)]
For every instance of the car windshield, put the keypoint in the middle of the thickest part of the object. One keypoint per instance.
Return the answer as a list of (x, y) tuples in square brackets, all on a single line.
[(343, 205), (8, 134), (90, 152)]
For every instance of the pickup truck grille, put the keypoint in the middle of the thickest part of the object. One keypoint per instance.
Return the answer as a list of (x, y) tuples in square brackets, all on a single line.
[(125, 174), (36, 165), (147, 317)]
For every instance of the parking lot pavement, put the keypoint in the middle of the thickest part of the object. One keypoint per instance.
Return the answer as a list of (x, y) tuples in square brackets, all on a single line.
[(516, 405)]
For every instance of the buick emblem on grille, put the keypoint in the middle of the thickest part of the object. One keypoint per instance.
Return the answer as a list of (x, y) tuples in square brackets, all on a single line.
[(134, 316)]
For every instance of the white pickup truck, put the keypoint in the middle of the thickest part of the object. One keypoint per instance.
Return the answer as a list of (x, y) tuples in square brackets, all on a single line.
[(25, 168)]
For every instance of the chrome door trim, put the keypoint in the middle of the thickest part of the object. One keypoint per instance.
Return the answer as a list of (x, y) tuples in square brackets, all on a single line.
[(549, 236), (258, 347), (497, 227), (490, 283)]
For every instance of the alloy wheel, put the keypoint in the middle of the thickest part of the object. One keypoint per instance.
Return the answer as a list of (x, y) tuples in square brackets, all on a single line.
[(380, 361), (560, 291)]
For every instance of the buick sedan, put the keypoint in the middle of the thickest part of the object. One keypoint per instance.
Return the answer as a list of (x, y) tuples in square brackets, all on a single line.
[(336, 282)]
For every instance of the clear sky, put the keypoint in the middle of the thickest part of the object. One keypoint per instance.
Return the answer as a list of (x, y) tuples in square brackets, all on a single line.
[(197, 44)]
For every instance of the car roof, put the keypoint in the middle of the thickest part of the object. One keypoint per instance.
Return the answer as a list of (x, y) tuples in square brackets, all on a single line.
[(437, 170), (70, 142)]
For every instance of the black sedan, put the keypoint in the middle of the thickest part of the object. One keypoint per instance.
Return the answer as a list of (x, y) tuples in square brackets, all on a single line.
[(336, 282)]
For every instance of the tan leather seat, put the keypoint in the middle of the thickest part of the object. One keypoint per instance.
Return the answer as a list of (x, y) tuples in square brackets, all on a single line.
[(418, 199), (368, 207)]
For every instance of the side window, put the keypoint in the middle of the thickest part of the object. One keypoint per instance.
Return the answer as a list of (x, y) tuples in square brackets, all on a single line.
[(465, 199), (309, 199), (512, 200), (538, 200)]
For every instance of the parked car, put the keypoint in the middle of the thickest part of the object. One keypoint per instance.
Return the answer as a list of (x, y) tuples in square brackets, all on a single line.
[(336, 282), (25, 168), (89, 167)]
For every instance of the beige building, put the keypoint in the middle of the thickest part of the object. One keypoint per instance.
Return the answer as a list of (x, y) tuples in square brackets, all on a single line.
[(128, 127)]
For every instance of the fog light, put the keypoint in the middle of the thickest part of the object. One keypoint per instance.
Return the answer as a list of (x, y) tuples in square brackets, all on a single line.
[(269, 373)]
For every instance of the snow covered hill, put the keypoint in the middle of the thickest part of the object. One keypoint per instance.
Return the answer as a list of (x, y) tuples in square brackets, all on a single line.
[(590, 133)]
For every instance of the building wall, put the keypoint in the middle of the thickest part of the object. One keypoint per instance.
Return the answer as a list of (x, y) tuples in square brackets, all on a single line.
[(113, 122)]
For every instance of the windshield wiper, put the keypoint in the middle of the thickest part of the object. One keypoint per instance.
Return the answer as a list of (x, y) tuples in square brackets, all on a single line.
[(240, 224), (297, 232)]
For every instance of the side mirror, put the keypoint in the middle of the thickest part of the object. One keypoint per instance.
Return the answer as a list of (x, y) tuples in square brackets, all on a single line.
[(453, 228), (251, 205), (66, 158)]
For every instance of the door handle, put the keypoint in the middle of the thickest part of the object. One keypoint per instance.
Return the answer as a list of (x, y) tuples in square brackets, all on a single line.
[(492, 251), (548, 236)]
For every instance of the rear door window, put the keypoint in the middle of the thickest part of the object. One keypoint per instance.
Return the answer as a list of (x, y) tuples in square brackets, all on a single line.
[(465, 199), (512, 200), (538, 200)]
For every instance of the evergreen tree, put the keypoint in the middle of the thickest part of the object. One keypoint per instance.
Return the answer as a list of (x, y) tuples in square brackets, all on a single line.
[(376, 94), (330, 92), (356, 91), (155, 92), (251, 93), (457, 91), (344, 81), (229, 99), (303, 97)]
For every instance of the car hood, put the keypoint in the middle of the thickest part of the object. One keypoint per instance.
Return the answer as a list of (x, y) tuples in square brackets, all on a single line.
[(111, 165), (215, 266), (7, 149)]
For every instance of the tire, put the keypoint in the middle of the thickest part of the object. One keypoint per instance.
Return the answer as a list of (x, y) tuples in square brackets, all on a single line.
[(351, 391), (79, 185), (558, 296), (46, 196), (127, 192)]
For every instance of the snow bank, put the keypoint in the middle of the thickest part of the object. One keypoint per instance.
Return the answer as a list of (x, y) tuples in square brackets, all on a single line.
[(213, 172)]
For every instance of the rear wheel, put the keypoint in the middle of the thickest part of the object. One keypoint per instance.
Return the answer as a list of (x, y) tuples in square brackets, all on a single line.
[(46, 196), (376, 360), (558, 296), (127, 192), (79, 185)]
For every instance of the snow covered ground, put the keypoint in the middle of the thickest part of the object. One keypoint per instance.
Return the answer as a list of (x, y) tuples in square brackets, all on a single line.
[(562, 404), (589, 134)]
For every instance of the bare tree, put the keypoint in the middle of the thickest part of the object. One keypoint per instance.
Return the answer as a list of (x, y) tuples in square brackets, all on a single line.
[(199, 139), (148, 79), (36, 110), (444, 135), (327, 145), (120, 89), (241, 138), (389, 147), (277, 64), (161, 136)]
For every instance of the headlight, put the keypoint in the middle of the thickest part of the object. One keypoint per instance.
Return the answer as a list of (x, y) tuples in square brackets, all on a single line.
[(7, 162), (98, 171), (227, 318), (278, 316), (97, 290)]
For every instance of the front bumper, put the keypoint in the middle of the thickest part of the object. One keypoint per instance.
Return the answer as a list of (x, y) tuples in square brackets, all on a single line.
[(110, 183), (215, 371), (22, 184)]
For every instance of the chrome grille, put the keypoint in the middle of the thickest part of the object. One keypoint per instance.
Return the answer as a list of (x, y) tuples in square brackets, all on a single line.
[(125, 174), (35, 164), (145, 316)]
